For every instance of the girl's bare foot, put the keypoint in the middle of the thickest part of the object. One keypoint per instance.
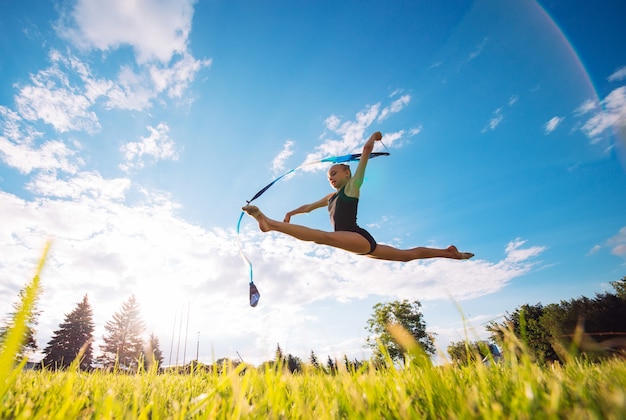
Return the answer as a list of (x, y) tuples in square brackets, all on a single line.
[(459, 255), (260, 217)]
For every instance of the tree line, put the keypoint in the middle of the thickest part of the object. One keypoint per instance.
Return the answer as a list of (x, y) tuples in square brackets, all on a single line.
[(123, 348), (590, 327), (593, 327)]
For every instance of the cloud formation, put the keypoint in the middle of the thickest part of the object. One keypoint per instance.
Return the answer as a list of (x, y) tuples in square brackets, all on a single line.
[(353, 133), (278, 163), (154, 29), (612, 115), (617, 243), (618, 75), (552, 124), (157, 146)]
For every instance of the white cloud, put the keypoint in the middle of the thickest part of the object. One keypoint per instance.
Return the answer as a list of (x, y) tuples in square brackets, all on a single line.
[(552, 124), (416, 130), (588, 106), (154, 29), (619, 250), (50, 155), (354, 133), (310, 273), (157, 146), (83, 184), (278, 163), (395, 107), (613, 114), (497, 116), (494, 121), (517, 254), (133, 91), (52, 99), (617, 243), (64, 95), (618, 75), (478, 50), (21, 147), (176, 78), (594, 249)]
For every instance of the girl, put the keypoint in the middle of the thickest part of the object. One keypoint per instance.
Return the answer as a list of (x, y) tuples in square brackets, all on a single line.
[(342, 206)]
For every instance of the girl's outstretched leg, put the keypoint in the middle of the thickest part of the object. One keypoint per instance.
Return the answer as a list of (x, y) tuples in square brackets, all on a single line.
[(348, 241), (353, 242), (386, 252)]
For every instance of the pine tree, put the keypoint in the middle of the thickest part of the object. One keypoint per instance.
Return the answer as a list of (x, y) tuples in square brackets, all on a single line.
[(29, 343), (123, 343), (279, 357), (332, 366), (74, 334), (153, 352), (313, 360)]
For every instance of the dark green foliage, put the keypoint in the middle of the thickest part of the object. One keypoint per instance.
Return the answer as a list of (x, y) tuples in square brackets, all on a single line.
[(526, 323), (75, 333), (290, 362), (331, 365), (620, 288), (588, 325), (466, 353), (314, 361)]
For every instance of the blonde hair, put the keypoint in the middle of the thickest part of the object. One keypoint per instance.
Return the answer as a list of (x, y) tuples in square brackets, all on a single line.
[(345, 166)]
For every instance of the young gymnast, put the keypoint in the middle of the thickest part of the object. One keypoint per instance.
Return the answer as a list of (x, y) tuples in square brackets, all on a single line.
[(342, 206)]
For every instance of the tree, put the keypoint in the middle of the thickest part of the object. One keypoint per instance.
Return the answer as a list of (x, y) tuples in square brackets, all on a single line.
[(289, 362), (620, 288), (153, 354), (465, 352), (314, 360), (351, 365), (74, 334), (279, 357), (526, 323), (331, 365), (123, 343), (602, 319), (29, 342), (294, 363), (404, 313)]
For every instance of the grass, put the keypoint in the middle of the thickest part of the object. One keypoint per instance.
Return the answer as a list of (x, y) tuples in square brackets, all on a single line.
[(516, 388)]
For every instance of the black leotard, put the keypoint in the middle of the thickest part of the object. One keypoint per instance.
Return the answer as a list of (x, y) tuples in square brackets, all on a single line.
[(343, 209)]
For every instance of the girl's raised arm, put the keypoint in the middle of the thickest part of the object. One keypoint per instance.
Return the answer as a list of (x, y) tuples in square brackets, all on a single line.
[(353, 187)]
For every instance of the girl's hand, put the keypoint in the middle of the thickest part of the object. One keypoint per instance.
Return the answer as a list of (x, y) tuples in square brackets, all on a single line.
[(287, 218), (377, 136)]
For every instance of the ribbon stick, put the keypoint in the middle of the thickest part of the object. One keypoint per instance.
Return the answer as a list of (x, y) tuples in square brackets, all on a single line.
[(254, 292)]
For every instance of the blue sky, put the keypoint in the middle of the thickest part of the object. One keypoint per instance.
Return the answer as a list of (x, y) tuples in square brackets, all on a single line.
[(131, 133)]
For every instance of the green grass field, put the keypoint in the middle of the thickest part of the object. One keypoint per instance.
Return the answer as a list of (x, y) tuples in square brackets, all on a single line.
[(515, 388)]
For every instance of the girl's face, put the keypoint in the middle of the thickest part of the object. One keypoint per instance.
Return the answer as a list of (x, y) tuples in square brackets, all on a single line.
[(338, 176)]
